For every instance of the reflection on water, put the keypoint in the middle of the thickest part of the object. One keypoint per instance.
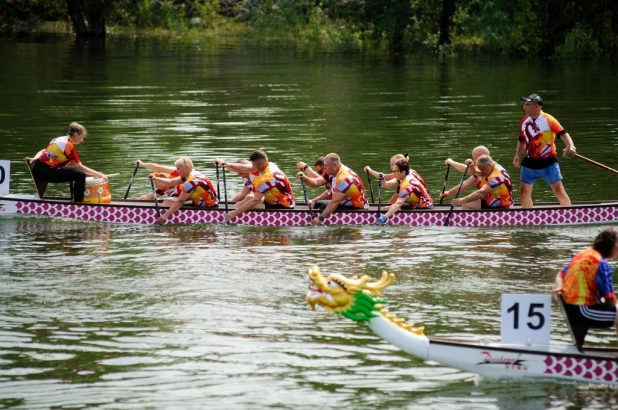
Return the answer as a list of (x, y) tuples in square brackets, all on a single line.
[(182, 315), (111, 316)]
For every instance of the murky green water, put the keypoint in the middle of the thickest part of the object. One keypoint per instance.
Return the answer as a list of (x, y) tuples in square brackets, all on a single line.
[(111, 316)]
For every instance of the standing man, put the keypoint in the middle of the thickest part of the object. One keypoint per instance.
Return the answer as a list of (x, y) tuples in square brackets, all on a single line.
[(537, 134), (269, 184), (348, 188)]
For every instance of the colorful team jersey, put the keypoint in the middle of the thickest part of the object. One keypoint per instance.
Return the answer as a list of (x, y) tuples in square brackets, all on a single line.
[(414, 192), (274, 185), (59, 152), (418, 176), (587, 278), (200, 190), (540, 135), (501, 195), (328, 187), (347, 182)]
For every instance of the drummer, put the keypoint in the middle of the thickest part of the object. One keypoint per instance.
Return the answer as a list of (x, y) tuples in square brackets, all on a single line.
[(52, 164), (193, 186)]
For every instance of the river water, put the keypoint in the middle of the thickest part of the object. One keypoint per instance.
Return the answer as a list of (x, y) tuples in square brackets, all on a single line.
[(110, 316)]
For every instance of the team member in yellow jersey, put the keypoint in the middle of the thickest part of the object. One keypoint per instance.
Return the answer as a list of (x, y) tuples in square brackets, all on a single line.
[(59, 162), (270, 184), (586, 284), (195, 188), (495, 188), (411, 192), (348, 188)]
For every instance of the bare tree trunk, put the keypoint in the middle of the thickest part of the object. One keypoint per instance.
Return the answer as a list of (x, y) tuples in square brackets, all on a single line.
[(94, 11), (446, 19)]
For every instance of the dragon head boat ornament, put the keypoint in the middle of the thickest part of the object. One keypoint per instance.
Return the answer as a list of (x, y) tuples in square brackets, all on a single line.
[(356, 298)]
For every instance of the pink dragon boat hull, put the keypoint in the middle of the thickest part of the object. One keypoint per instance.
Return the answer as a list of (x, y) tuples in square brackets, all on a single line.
[(144, 212)]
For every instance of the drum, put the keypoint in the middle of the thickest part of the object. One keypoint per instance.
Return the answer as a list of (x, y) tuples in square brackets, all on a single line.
[(97, 191)]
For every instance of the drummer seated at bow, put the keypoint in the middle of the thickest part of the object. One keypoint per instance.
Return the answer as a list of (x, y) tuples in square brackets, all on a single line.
[(194, 187), (411, 193), (59, 162), (319, 171), (391, 176), (271, 187), (587, 289), (348, 188), (495, 188)]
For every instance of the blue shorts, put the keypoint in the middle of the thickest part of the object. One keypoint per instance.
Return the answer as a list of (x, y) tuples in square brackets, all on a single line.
[(551, 174)]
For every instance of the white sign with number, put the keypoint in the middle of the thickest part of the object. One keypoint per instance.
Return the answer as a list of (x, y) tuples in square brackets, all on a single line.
[(526, 318), (5, 173)]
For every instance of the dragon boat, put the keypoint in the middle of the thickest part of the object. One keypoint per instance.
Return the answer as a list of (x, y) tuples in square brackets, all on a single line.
[(361, 300), (145, 212)]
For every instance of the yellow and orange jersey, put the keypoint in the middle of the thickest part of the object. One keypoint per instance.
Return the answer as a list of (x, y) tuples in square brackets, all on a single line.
[(501, 195), (274, 185), (200, 190), (414, 192), (59, 152), (540, 135), (587, 278), (347, 182)]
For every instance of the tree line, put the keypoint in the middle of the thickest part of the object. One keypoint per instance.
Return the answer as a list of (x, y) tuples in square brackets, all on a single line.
[(545, 28)]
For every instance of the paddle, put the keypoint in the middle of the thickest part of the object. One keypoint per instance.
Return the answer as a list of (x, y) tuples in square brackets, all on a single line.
[(463, 177), (379, 194), (306, 198), (224, 187), (605, 167), (112, 175), (217, 169), (444, 185), (370, 187), (154, 193), (131, 183)]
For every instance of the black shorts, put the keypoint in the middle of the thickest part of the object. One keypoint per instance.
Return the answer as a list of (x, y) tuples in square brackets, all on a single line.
[(601, 315)]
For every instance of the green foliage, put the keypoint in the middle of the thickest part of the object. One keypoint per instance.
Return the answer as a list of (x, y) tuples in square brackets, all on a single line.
[(579, 43)]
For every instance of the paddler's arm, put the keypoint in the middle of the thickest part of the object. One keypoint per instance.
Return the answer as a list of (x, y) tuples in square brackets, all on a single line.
[(395, 207), (155, 167), (332, 205), (478, 194), (467, 184), (177, 204), (234, 166), (311, 182), (471, 170)]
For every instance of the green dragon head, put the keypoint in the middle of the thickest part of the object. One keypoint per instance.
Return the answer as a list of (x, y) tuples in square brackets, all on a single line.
[(354, 298)]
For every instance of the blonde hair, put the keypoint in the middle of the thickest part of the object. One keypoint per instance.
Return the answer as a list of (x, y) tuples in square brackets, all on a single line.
[(184, 162), (75, 127), (160, 184)]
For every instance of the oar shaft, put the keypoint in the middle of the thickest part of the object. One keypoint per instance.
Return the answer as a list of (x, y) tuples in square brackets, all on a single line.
[(370, 186), (605, 167), (112, 175), (154, 193), (217, 170), (450, 212), (306, 197), (448, 167), (131, 183), (379, 196), (224, 189)]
